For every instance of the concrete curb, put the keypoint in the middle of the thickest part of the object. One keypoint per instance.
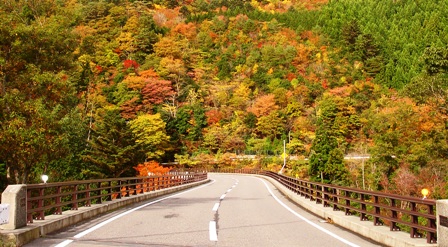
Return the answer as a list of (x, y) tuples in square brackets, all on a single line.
[(24, 235), (380, 234)]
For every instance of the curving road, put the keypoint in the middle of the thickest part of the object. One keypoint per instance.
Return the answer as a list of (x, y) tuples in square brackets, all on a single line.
[(232, 210)]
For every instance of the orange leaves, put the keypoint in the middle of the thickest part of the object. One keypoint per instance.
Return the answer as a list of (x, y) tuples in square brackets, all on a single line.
[(213, 116), (167, 17), (310, 36), (263, 105), (187, 30), (150, 168), (343, 91)]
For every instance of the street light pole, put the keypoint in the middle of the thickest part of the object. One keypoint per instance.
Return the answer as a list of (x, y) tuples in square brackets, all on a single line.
[(284, 157)]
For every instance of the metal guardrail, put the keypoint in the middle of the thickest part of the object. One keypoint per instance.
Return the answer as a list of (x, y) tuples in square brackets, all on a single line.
[(54, 198), (400, 213)]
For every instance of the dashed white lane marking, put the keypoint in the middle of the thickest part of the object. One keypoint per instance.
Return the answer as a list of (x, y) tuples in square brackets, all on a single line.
[(82, 234), (308, 221), (222, 197), (215, 208), (212, 231), (229, 190)]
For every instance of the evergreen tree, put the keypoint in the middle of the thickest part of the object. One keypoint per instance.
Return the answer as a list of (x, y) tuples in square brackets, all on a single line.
[(113, 150)]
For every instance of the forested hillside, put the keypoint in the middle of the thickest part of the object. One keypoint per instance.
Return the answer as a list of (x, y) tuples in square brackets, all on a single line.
[(93, 89)]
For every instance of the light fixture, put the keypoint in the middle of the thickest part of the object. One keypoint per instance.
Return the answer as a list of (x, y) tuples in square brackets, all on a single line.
[(425, 192), (44, 178)]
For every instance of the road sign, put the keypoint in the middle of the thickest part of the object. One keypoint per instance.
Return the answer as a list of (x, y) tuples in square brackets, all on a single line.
[(4, 214)]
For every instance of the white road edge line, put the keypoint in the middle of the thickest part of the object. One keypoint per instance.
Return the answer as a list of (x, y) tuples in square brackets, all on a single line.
[(308, 221), (65, 243), (212, 231), (215, 208), (82, 234)]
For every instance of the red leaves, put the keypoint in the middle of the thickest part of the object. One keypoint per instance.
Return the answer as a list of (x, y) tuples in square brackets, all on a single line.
[(156, 91), (128, 63)]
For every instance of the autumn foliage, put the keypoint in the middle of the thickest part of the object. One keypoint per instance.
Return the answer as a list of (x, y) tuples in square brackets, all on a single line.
[(90, 90), (151, 168)]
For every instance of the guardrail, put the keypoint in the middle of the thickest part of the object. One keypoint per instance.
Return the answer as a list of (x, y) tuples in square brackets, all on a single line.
[(400, 213), (54, 198)]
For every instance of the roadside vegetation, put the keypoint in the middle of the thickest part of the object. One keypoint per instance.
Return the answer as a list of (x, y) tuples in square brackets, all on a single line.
[(92, 89)]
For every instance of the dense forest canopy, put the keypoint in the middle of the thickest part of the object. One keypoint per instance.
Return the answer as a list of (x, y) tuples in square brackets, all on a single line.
[(92, 89)]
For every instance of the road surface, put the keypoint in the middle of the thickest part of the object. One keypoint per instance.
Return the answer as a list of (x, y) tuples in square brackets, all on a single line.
[(231, 210)]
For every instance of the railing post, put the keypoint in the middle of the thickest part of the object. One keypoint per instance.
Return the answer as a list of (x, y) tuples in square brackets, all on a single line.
[(28, 207), (58, 200), (109, 190), (376, 218), (326, 197), (75, 198), (40, 204), (88, 201), (347, 203), (414, 220), (335, 199), (119, 195), (393, 224), (363, 207), (127, 189)]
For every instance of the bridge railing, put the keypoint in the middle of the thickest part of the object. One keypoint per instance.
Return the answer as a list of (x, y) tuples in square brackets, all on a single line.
[(401, 213), (54, 198)]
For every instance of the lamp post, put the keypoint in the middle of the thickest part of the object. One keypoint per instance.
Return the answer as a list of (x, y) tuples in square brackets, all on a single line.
[(44, 178), (425, 192)]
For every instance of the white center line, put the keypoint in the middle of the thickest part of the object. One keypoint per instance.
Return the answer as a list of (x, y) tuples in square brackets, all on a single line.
[(215, 208), (212, 231)]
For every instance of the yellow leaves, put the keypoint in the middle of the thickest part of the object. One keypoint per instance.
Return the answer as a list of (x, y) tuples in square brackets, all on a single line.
[(131, 25), (135, 82), (169, 65), (255, 68), (126, 42), (169, 47), (84, 31), (270, 71)]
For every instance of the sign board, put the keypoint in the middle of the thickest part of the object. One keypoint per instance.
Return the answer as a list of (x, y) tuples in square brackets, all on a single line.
[(4, 214), (443, 221)]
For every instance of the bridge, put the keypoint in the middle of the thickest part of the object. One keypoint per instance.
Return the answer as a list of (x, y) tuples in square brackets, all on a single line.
[(228, 208)]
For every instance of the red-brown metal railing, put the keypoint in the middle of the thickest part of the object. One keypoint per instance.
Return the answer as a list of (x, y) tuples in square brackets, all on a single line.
[(54, 198), (415, 215)]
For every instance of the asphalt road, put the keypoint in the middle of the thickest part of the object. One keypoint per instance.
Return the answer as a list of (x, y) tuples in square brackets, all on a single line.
[(232, 210)]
